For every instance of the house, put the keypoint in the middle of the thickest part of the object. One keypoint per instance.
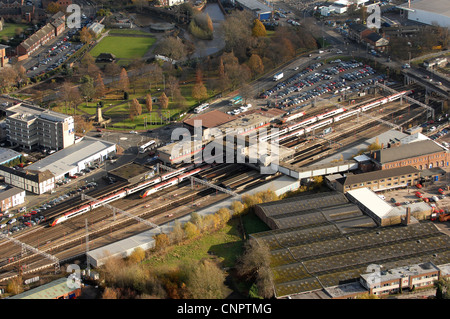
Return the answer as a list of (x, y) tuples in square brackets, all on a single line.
[(11, 197), (36, 40), (376, 41), (357, 32), (105, 57)]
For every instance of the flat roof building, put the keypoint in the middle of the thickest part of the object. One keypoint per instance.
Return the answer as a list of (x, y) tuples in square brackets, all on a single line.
[(31, 126), (428, 11), (75, 158)]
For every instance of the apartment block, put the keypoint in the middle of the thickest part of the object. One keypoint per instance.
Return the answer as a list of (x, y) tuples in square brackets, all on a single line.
[(31, 126)]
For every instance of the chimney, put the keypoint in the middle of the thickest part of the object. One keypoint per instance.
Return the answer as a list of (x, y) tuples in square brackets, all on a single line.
[(407, 219), (409, 3)]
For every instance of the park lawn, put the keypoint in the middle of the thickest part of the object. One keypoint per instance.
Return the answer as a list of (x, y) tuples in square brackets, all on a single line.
[(124, 48), (153, 119), (226, 244), (9, 29), (128, 31)]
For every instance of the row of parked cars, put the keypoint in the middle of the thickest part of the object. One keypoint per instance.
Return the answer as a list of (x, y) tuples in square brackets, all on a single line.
[(85, 171)]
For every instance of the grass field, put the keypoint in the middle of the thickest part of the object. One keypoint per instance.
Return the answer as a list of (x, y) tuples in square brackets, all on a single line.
[(9, 29), (124, 48)]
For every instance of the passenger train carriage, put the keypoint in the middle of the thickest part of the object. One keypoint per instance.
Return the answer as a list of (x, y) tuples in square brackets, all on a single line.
[(153, 185)]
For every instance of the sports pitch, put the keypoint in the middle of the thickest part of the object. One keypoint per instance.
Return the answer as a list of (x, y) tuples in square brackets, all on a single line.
[(124, 48)]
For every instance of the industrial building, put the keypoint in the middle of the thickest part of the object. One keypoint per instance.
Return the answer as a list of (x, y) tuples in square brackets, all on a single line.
[(323, 260), (383, 213), (260, 10), (427, 11), (57, 289), (73, 159), (377, 180), (420, 154)]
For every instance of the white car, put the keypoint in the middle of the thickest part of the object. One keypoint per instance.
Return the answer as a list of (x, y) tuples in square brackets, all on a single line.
[(133, 132)]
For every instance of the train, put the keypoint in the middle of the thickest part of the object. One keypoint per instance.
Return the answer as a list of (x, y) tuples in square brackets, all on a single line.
[(330, 117), (151, 186)]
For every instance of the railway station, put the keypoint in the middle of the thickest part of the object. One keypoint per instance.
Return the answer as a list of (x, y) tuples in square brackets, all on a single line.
[(321, 243)]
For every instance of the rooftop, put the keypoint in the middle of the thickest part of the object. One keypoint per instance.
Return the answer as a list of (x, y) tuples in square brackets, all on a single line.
[(376, 175), (51, 290), (211, 119), (369, 199), (441, 7), (321, 256), (68, 158), (406, 151), (255, 5)]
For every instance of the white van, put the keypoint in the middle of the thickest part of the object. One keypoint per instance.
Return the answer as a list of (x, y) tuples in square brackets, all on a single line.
[(382, 197)]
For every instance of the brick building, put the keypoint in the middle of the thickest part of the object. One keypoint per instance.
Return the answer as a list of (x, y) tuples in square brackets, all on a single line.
[(48, 32), (379, 180), (421, 155)]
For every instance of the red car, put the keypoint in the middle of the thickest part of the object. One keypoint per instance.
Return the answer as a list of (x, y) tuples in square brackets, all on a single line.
[(33, 212)]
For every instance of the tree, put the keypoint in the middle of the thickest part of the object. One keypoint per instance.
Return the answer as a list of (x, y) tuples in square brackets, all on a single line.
[(255, 64), (205, 281), (14, 286), (442, 288), (148, 102), (161, 242), (258, 30), (100, 89), (191, 230), (171, 47), (199, 92), (124, 81), (85, 35), (137, 256), (87, 88), (53, 7), (164, 101), (254, 265), (135, 108)]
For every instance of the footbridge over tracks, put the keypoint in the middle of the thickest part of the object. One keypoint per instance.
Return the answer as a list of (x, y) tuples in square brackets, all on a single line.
[(316, 170), (439, 85)]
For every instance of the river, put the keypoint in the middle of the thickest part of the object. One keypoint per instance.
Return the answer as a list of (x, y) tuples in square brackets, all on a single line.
[(208, 47)]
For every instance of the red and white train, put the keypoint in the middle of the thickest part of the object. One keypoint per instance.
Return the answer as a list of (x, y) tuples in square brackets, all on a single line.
[(333, 116), (155, 184)]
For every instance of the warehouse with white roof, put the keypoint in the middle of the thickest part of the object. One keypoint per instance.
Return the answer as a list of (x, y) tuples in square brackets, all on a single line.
[(75, 158), (382, 212)]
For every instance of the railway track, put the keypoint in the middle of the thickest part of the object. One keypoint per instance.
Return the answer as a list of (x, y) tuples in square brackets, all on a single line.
[(100, 226)]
